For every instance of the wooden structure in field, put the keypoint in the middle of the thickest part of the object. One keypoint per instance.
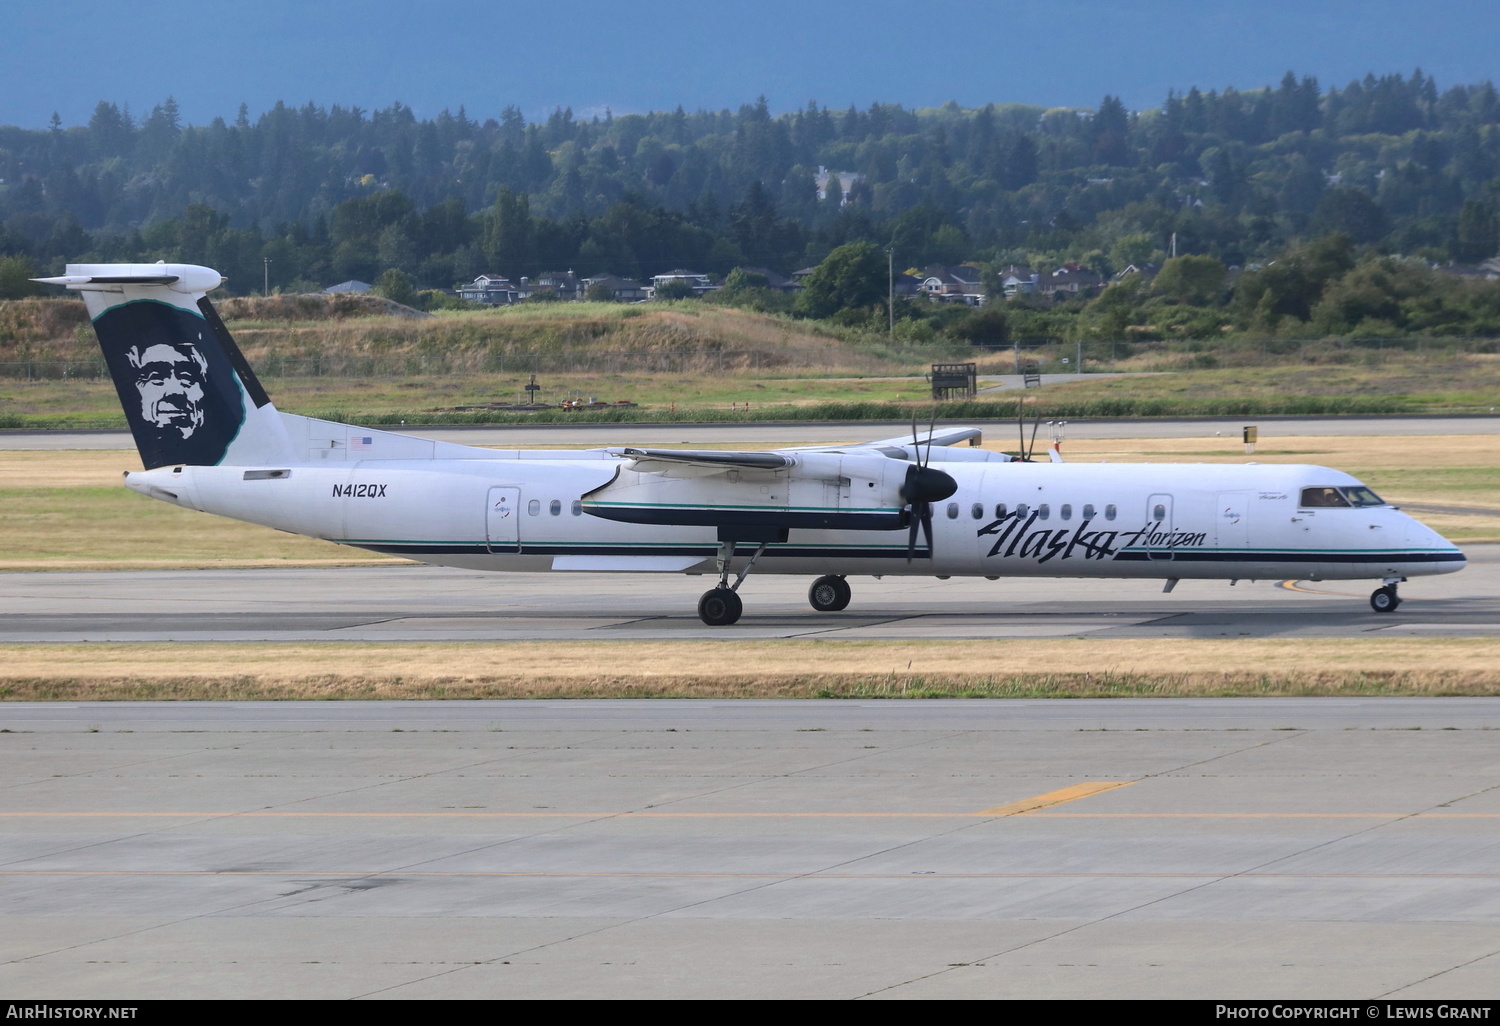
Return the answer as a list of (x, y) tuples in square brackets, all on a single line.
[(955, 380)]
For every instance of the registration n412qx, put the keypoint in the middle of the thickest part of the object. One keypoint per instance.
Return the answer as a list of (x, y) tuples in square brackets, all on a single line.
[(211, 440)]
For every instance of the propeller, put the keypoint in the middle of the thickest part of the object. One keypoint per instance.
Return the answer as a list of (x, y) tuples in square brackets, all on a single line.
[(923, 486), (1027, 451)]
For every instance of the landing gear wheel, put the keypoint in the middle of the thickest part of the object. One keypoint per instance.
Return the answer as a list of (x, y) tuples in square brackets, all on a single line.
[(720, 607), (829, 594), (1385, 600)]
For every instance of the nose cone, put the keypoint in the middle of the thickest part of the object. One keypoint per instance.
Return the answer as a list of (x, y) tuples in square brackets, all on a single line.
[(1424, 541)]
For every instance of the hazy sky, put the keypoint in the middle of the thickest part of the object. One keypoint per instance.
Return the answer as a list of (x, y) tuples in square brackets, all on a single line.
[(707, 53)]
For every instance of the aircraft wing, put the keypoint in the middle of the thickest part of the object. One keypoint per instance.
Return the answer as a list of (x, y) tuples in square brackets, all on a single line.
[(716, 459), (903, 446), (812, 462)]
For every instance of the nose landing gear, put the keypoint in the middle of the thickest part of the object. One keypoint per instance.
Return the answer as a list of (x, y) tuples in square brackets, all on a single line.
[(1384, 599)]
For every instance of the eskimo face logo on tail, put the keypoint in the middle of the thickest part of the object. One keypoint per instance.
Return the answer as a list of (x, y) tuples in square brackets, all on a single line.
[(175, 382), (170, 380)]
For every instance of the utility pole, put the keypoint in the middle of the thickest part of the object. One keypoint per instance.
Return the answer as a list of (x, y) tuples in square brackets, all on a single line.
[(890, 303), (266, 267)]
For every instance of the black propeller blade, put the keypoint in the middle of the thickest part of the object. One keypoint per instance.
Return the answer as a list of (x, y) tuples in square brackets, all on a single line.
[(923, 486)]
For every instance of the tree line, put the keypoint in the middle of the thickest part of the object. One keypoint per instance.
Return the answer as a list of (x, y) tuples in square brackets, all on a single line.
[(312, 195)]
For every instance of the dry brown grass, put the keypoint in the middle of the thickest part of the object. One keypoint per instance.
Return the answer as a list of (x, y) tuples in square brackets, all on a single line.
[(783, 669), (69, 511)]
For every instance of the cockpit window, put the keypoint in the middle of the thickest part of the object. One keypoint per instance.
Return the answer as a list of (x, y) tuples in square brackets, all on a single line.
[(1320, 498), (1362, 496)]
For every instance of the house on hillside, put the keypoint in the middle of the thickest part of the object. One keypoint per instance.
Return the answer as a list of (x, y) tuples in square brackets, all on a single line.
[(490, 290), (953, 285), (563, 284), (847, 182), (699, 283), (625, 290), (1489, 270), (1071, 280), (356, 287), (906, 286), (1019, 280), (774, 281), (1146, 270)]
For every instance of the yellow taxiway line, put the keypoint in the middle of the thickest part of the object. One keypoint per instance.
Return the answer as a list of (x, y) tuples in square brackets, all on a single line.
[(1051, 798)]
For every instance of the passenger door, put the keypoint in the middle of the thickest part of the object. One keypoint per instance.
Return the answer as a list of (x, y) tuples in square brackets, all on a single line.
[(502, 519), (1159, 519), (1232, 520)]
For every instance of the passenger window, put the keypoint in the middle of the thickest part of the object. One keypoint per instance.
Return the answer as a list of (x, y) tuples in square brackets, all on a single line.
[(1022, 510), (999, 510), (977, 511), (577, 508), (1109, 512), (952, 511), (1088, 511), (1158, 512), (534, 507), (1043, 511), (1067, 511), (555, 507), (1322, 498)]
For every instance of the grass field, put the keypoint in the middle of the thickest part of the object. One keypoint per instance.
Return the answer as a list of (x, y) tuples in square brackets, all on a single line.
[(1440, 383), (1098, 668)]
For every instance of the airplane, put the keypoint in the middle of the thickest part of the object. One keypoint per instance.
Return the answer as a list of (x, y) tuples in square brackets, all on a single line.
[(210, 439)]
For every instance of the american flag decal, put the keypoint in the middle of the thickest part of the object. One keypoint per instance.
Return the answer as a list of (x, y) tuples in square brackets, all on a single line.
[(358, 442)]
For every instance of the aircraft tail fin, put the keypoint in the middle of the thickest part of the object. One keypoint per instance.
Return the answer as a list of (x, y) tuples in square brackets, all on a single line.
[(188, 393)]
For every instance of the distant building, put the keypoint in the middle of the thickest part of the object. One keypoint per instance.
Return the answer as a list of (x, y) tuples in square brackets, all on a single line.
[(699, 283), (348, 286), (626, 290), (1019, 280), (1489, 270), (1071, 280), (847, 181), (1146, 270), (489, 289), (906, 285), (564, 284), (954, 285), (774, 281)]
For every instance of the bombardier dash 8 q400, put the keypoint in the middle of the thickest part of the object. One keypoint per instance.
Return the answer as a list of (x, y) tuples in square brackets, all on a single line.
[(211, 440)]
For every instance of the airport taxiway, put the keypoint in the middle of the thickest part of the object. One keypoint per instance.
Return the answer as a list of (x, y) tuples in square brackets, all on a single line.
[(423, 603), (1272, 848)]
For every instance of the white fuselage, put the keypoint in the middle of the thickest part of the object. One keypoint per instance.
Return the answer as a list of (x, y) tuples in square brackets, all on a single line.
[(523, 511)]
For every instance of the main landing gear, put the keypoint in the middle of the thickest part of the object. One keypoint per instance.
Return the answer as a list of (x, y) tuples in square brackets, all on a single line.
[(829, 594), (1384, 599), (722, 606)]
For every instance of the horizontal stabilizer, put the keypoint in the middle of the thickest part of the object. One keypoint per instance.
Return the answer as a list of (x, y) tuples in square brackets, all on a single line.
[(130, 279), (189, 279)]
